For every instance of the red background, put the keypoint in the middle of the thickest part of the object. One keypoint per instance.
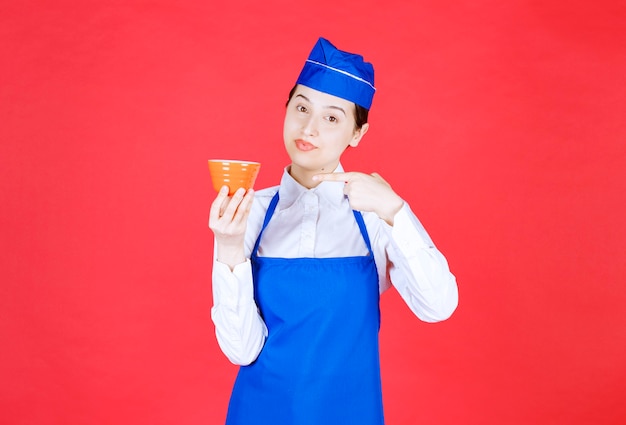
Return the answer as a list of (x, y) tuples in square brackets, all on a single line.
[(501, 123)]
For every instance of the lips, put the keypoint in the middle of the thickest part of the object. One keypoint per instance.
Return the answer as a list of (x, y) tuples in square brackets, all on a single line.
[(305, 146)]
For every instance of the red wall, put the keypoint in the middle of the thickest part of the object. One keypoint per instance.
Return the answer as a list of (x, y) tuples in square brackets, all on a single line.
[(501, 123)]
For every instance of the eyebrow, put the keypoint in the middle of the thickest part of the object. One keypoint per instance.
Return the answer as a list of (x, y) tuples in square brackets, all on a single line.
[(328, 106)]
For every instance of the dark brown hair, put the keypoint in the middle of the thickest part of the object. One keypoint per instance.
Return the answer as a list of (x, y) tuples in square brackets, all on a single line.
[(360, 113)]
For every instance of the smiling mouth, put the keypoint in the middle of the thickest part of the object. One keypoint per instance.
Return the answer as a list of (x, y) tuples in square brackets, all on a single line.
[(304, 145)]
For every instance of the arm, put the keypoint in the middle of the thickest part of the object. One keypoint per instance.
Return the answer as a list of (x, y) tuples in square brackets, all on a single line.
[(239, 328), (417, 269)]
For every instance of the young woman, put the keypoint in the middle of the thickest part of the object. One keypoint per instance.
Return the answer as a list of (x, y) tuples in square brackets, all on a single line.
[(299, 267)]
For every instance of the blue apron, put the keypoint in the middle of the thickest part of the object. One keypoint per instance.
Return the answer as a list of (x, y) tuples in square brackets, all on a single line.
[(320, 362)]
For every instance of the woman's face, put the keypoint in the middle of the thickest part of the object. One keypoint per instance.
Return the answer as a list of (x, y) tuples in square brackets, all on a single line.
[(317, 130)]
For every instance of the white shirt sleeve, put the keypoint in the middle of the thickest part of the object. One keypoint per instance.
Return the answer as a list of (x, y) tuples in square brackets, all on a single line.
[(416, 268), (239, 328)]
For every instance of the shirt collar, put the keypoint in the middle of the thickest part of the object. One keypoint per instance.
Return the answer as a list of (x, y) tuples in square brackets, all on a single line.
[(290, 190)]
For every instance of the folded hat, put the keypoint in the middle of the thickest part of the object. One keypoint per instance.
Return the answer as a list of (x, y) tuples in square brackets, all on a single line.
[(342, 74)]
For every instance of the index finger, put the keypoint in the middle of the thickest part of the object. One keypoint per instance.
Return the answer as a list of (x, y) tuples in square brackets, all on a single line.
[(335, 177), (216, 206)]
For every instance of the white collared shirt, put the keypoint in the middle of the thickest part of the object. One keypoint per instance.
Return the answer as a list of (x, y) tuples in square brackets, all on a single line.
[(319, 223)]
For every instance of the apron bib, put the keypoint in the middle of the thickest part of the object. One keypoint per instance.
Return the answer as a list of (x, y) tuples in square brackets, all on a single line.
[(320, 362)]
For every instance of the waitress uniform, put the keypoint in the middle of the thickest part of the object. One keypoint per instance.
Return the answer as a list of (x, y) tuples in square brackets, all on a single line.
[(320, 362)]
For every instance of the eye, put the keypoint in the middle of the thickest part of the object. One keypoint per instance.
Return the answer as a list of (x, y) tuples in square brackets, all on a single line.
[(331, 118), (301, 108)]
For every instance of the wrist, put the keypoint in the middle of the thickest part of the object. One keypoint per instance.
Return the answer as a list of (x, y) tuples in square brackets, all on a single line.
[(391, 209), (230, 255)]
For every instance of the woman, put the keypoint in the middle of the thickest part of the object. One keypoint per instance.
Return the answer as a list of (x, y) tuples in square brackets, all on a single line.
[(299, 267)]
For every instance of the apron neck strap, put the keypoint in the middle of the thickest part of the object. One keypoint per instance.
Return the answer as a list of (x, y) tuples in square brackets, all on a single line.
[(268, 216), (270, 212), (359, 220)]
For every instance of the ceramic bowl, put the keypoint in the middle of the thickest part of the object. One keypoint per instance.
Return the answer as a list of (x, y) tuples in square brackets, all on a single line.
[(233, 173)]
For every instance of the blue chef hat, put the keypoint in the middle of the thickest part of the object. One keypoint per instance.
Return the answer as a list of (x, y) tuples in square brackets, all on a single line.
[(339, 73)]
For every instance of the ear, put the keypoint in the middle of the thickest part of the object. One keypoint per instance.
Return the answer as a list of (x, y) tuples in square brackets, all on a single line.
[(358, 135)]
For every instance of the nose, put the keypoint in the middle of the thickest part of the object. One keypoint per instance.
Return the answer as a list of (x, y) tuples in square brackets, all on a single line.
[(309, 126)]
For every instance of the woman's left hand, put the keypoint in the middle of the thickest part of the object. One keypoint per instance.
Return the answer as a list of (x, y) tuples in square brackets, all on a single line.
[(367, 192)]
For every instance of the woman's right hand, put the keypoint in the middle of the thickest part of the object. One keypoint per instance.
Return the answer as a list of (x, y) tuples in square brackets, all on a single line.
[(228, 219)]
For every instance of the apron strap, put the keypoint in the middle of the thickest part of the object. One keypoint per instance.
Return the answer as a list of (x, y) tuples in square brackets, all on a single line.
[(270, 212), (361, 223), (268, 216)]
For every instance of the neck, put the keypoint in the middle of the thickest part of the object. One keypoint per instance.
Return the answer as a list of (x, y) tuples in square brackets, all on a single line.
[(304, 176)]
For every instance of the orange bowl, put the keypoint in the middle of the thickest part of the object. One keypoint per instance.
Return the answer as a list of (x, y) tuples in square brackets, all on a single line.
[(233, 173)]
